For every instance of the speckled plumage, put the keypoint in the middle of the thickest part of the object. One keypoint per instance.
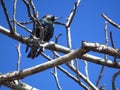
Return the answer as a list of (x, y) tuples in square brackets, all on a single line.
[(44, 32)]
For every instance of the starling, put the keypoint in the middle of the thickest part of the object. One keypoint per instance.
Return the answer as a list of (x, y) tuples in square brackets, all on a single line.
[(43, 31)]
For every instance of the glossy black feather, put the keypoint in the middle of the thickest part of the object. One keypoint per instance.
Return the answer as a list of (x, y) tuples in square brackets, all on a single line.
[(44, 32)]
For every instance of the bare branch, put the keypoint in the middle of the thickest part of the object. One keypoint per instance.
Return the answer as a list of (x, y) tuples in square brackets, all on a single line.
[(68, 23), (110, 21), (33, 8), (57, 37), (105, 56), (56, 47), (6, 14), (23, 23), (111, 38), (86, 69), (56, 78), (83, 77), (63, 24), (102, 49), (72, 14), (67, 73), (29, 12), (38, 68), (15, 85), (19, 56), (113, 80), (24, 27), (14, 15)]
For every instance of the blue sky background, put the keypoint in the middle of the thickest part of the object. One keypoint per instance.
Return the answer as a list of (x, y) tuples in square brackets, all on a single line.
[(88, 25)]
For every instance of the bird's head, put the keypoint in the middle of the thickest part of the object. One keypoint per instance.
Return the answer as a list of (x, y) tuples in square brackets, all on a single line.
[(50, 18)]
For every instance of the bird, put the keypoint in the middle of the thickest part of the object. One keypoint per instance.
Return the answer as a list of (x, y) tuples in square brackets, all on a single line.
[(43, 31)]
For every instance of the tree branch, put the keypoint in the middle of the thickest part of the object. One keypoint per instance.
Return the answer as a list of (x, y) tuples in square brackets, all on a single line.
[(113, 80), (6, 14), (56, 47), (102, 49), (14, 15), (26, 72), (67, 73), (19, 56), (110, 21), (15, 85)]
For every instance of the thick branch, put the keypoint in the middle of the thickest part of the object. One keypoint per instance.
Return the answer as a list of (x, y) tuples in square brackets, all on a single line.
[(67, 73), (102, 49), (15, 85), (56, 47), (26, 72)]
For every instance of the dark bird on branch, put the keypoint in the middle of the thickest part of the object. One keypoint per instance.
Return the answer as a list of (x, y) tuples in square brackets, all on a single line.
[(44, 31)]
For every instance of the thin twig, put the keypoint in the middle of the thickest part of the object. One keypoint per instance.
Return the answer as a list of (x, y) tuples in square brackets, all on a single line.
[(24, 27), (55, 68), (32, 17), (80, 75), (57, 37), (111, 39), (72, 14), (33, 9), (110, 21), (6, 15), (28, 9), (23, 23), (67, 73), (105, 56), (112, 43), (63, 24), (68, 23), (19, 56), (113, 80), (14, 16), (77, 69), (56, 78), (86, 69)]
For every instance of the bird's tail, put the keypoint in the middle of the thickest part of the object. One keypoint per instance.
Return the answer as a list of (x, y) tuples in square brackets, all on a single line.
[(27, 49), (32, 53)]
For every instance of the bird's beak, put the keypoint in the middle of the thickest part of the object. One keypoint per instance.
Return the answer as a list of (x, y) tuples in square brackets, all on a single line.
[(56, 18)]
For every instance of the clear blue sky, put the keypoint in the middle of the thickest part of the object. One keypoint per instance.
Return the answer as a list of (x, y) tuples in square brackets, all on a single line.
[(88, 25)]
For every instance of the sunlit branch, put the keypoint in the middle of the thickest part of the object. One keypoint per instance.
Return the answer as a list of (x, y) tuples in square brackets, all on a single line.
[(7, 16), (56, 78), (24, 27), (102, 49), (67, 73), (113, 80), (29, 12), (80, 76), (86, 69), (110, 21), (33, 8), (111, 39), (15, 85), (68, 23), (19, 56), (62, 49), (16, 75), (14, 15), (105, 56)]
